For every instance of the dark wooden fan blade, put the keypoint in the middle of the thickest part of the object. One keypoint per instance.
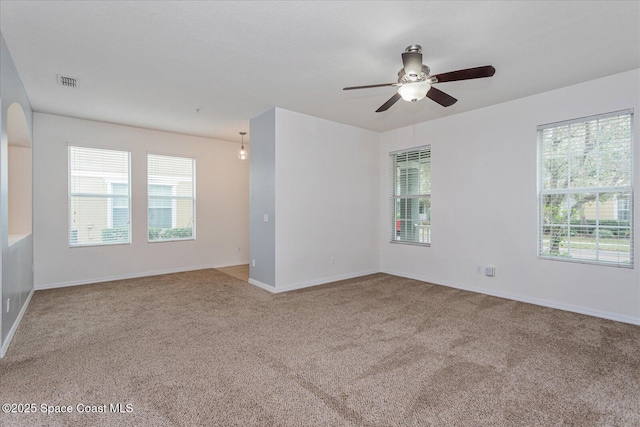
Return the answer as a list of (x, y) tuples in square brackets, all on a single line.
[(467, 74), (440, 97), (368, 86), (389, 103), (412, 62)]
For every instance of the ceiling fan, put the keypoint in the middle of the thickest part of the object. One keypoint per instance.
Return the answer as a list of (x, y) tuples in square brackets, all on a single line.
[(414, 81)]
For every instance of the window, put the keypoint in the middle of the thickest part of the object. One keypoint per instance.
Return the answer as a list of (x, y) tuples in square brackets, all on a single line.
[(99, 197), (585, 190), (171, 198), (411, 198)]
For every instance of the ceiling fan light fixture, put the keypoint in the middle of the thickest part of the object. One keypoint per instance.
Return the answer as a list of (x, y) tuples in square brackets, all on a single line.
[(414, 91)]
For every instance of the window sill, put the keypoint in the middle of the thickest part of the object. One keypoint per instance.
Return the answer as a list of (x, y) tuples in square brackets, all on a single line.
[(97, 245), (171, 240), (585, 261), (400, 242)]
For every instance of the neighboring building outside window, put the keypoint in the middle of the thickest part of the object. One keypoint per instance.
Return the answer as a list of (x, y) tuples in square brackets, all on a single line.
[(623, 209), (99, 196), (171, 198), (411, 196), (585, 190), (160, 210), (120, 205)]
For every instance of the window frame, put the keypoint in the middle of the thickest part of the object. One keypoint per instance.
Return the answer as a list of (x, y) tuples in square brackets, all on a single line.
[(579, 191), (418, 197), (109, 196), (173, 183)]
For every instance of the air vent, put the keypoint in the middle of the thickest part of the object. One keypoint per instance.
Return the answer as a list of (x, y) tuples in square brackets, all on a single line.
[(67, 81)]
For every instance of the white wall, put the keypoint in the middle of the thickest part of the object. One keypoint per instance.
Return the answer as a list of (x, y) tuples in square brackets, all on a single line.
[(262, 235), (327, 192), (222, 193), (484, 203)]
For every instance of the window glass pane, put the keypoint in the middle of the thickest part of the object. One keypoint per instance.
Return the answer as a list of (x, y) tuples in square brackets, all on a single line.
[(117, 188), (99, 197), (554, 210), (554, 151), (583, 155), (159, 190), (425, 178), (160, 217), (170, 198), (120, 217), (553, 237), (408, 214), (411, 196), (585, 206), (623, 205), (423, 224), (615, 244), (160, 201), (582, 243), (120, 206), (614, 145)]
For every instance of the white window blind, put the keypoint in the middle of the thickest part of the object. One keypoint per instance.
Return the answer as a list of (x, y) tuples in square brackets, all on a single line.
[(99, 197), (171, 198), (585, 170), (411, 198)]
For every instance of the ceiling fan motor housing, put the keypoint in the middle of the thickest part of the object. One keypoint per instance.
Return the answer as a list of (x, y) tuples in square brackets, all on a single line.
[(414, 48), (404, 78)]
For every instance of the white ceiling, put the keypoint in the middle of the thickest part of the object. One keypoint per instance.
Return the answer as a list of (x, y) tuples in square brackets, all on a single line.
[(154, 63)]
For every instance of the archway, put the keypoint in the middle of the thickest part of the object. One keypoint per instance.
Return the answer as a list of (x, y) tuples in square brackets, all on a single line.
[(20, 175)]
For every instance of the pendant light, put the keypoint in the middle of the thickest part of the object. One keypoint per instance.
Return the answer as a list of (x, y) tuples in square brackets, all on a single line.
[(243, 154)]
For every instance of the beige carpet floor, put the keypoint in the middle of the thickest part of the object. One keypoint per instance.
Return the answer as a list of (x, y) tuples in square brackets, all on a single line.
[(204, 348), (238, 271)]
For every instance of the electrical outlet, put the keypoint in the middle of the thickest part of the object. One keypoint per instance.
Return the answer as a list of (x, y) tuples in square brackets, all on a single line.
[(8, 304), (253, 263), (265, 218), (478, 269), (490, 271)]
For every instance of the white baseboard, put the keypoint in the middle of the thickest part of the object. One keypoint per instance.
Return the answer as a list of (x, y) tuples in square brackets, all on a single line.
[(131, 276), (529, 300), (14, 328), (262, 286), (308, 284)]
